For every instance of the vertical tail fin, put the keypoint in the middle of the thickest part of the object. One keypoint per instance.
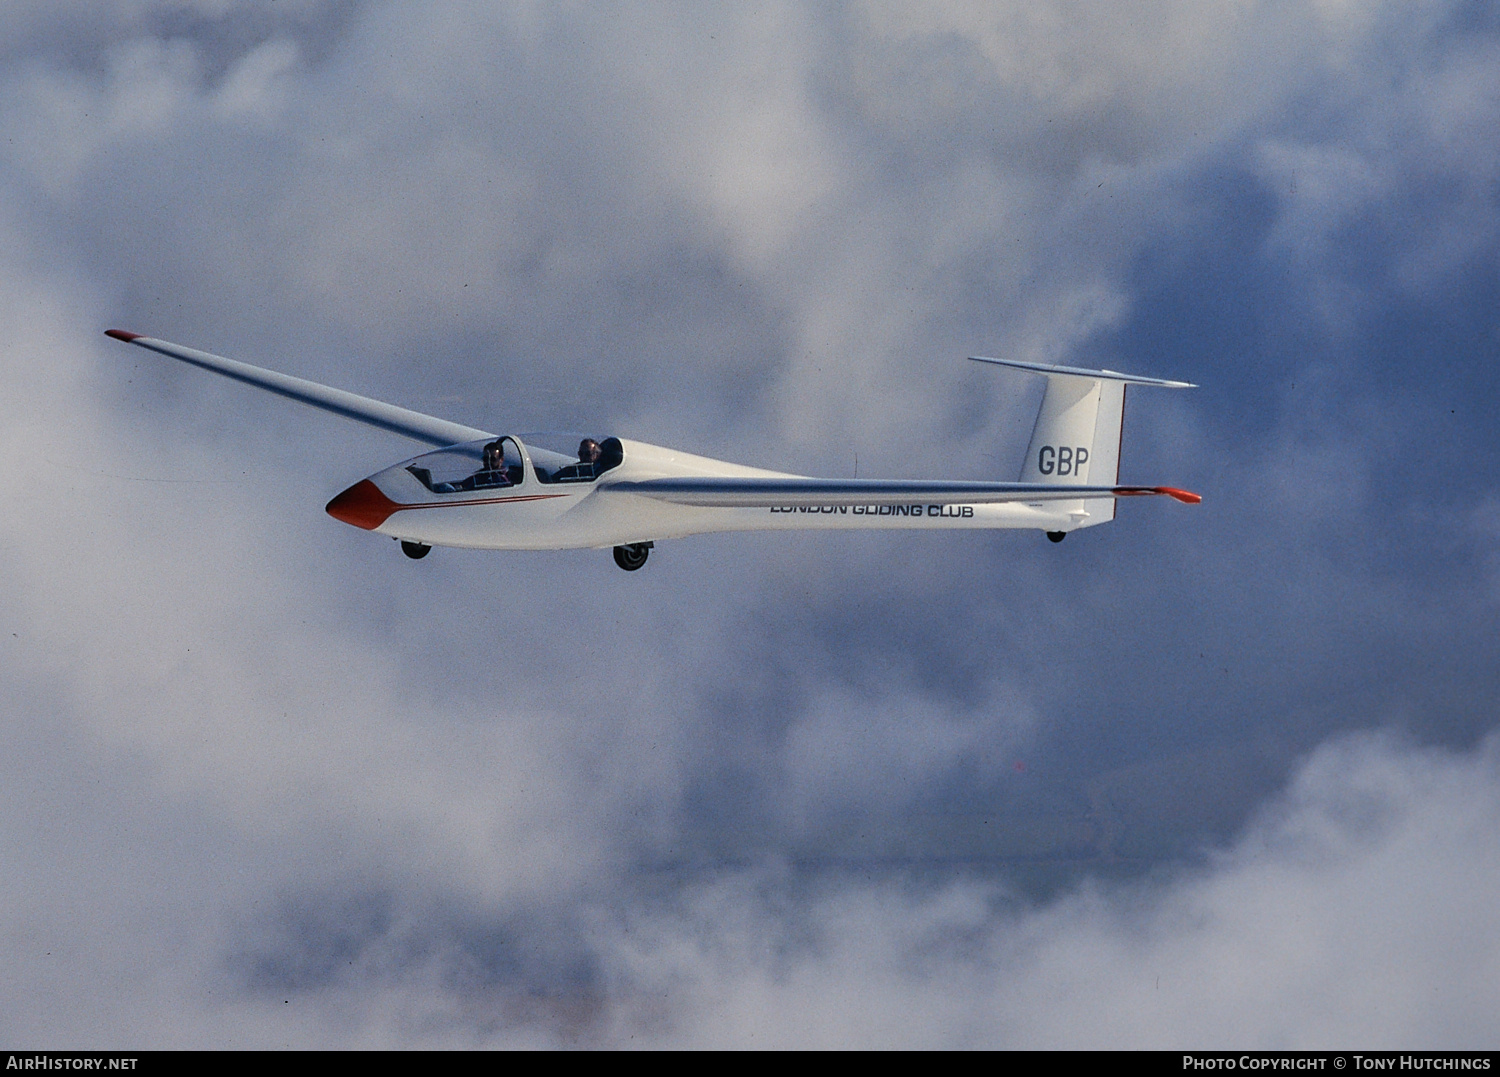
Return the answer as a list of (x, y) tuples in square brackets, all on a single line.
[(1076, 440)]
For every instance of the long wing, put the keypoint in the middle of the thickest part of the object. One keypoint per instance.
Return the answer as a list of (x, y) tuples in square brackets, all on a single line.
[(767, 493), (412, 424)]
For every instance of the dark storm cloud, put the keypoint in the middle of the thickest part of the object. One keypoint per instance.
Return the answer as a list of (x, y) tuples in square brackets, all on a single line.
[(526, 798)]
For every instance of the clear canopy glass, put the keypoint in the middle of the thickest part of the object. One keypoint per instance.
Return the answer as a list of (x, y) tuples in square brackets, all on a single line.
[(475, 465), (493, 463), (558, 458)]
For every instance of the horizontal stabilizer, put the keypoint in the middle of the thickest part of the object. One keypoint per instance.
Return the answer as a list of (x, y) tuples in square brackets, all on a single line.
[(770, 493), (1081, 372), (412, 424)]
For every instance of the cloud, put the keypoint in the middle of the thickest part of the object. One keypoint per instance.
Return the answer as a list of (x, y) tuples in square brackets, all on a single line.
[(1353, 910)]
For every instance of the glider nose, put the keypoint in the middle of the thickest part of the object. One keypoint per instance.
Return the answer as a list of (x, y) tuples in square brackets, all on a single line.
[(363, 505)]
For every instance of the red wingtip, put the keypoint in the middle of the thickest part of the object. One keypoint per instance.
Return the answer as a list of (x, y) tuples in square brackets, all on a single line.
[(120, 334), (1187, 497), (363, 505)]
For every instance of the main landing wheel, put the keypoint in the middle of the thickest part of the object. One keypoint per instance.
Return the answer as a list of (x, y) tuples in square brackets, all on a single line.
[(1057, 536), (415, 550), (633, 556)]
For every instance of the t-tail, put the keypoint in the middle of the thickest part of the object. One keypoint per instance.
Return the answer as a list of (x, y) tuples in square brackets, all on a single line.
[(1076, 440)]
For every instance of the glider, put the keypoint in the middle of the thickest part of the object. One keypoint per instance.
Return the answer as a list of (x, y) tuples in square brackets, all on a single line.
[(482, 490)]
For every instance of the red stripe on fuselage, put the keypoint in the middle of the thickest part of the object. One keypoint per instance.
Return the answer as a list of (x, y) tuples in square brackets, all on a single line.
[(365, 505)]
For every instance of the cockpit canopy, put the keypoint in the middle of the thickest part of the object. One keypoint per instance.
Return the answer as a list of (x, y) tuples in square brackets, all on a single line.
[(500, 462), (572, 457)]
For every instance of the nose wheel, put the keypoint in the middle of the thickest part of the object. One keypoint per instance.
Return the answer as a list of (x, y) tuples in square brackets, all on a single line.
[(633, 556), (415, 550)]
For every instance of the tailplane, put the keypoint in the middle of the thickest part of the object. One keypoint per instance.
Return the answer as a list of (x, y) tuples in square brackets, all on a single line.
[(1076, 440)]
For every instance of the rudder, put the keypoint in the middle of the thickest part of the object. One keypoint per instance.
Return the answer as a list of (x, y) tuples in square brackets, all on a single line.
[(1076, 439)]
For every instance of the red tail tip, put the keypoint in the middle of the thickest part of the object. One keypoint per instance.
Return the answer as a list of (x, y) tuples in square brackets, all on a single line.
[(1187, 497), (120, 334)]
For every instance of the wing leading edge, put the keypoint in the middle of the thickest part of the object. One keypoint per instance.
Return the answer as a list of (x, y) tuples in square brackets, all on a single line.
[(412, 424), (768, 493)]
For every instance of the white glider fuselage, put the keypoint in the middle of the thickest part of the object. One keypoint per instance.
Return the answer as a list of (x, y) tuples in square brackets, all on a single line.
[(533, 515)]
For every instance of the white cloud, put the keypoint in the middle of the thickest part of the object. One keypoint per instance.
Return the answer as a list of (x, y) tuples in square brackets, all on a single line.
[(1357, 910)]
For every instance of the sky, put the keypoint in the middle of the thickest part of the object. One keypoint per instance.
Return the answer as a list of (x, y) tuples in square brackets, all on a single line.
[(1223, 775)]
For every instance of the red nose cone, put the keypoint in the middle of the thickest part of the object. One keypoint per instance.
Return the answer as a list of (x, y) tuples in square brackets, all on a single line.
[(362, 505)]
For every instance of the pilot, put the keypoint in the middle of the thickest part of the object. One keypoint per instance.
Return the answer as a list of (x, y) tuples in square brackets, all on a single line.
[(492, 473), (583, 471), (588, 455)]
